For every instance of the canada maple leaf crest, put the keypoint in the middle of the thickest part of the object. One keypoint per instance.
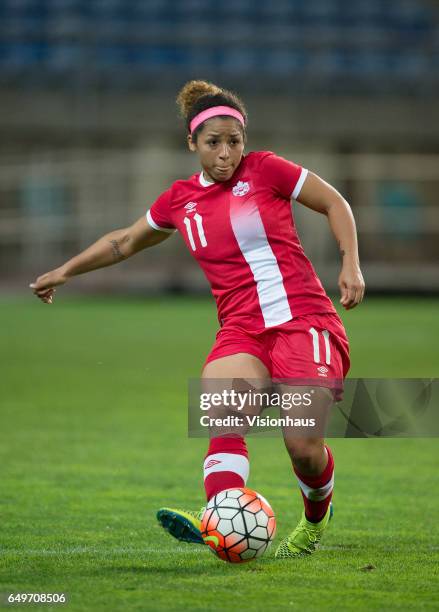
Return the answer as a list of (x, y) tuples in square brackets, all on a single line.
[(241, 188)]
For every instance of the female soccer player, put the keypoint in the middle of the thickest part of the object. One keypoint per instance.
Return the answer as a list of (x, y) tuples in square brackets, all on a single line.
[(276, 320)]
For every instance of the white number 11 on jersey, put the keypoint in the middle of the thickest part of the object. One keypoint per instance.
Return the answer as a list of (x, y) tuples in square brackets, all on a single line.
[(316, 348), (199, 222)]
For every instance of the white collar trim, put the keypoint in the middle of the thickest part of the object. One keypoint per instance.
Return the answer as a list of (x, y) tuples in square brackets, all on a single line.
[(203, 181)]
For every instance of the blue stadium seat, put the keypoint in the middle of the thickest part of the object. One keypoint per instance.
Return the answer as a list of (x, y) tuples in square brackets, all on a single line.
[(62, 58), (358, 41), (25, 55), (285, 63)]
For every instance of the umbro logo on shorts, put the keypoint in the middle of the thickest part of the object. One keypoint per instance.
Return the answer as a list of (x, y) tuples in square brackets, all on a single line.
[(323, 371), (190, 206), (241, 188), (211, 463)]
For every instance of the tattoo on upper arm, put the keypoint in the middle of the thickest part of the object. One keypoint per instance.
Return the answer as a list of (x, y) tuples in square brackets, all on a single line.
[(118, 255)]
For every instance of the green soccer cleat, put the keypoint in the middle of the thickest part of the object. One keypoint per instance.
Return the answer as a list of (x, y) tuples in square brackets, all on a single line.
[(305, 538), (184, 525)]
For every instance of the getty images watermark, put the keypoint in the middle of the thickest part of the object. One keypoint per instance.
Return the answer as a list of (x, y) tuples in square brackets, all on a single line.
[(354, 408), (243, 408)]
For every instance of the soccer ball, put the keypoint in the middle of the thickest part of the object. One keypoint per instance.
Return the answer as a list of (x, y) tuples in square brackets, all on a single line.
[(238, 525)]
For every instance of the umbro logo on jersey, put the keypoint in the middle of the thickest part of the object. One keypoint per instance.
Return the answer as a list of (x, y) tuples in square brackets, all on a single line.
[(211, 463), (323, 371), (190, 206), (241, 188)]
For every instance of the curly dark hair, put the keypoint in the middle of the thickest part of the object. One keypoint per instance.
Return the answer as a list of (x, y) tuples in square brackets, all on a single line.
[(197, 96)]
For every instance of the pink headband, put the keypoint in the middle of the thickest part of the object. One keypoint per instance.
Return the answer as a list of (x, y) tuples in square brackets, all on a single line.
[(215, 111)]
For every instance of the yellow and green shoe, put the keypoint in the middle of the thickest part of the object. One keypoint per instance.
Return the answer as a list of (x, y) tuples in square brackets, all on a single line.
[(304, 539), (184, 525)]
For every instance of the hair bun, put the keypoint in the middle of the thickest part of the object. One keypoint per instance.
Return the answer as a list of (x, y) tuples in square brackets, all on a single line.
[(192, 92)]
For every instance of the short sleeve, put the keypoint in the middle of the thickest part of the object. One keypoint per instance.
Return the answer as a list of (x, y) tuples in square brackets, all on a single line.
[(285, 177), (159, 215)]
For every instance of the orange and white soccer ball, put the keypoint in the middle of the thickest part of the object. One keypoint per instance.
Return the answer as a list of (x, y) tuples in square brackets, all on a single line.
[(238, 525)]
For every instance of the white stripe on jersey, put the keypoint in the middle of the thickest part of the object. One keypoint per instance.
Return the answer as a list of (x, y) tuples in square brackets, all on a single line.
[(154, 225), (299, 184), (250, 234)]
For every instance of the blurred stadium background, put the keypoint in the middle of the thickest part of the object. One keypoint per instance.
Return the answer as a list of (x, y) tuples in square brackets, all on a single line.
[(94, 390), (89, 134)]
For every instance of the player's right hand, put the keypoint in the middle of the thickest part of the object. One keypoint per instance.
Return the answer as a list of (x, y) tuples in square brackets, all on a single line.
[(44, 286)]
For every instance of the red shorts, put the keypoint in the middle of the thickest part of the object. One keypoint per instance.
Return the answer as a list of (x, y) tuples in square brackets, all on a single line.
[(309, 347)]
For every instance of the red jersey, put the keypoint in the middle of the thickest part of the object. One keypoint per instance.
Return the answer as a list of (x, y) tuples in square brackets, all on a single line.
[(242, 234)]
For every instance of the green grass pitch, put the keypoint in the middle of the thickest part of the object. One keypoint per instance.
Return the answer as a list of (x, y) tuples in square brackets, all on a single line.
[(93, 439)]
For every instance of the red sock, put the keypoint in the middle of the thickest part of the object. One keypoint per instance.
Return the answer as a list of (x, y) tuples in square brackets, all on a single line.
[(317, 490), (226, 465)]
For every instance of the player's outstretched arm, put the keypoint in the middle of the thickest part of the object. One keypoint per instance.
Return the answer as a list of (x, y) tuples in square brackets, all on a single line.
[(108, 250), (323, 198)]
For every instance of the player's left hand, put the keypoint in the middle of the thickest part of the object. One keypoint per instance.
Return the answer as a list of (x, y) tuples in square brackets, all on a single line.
[(351, 284)]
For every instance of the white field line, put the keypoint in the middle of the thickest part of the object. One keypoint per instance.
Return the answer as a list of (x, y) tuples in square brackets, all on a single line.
[(384, 549), (187, 550), (86, 550)]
